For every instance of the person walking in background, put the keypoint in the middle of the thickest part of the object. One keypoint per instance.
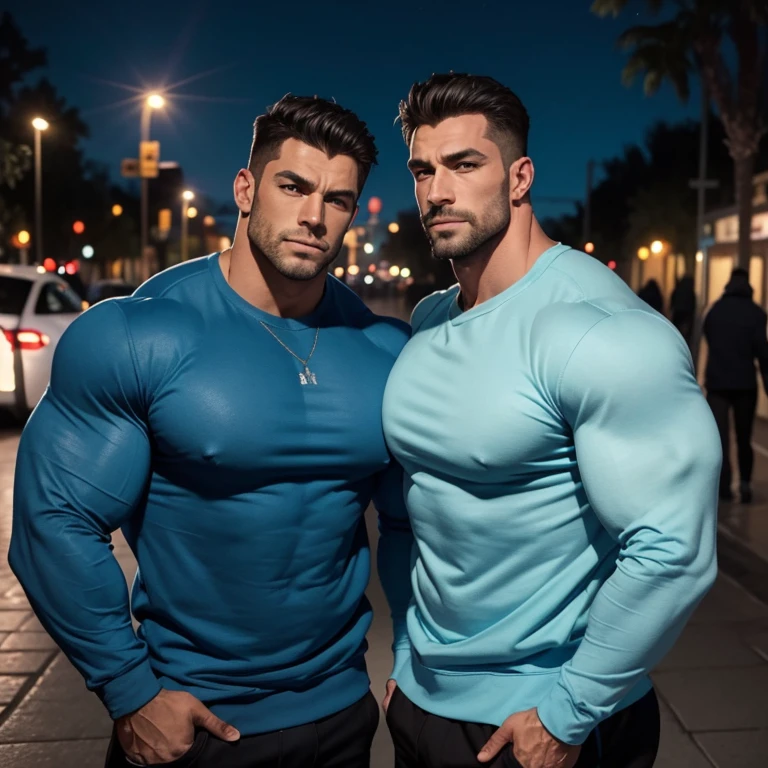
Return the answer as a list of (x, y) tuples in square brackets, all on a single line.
[(683, 306), (735, 330), (650, 293)]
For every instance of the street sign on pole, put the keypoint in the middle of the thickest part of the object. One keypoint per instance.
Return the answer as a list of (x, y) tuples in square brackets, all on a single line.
[(149, 158), (129, 167), (164, 220)]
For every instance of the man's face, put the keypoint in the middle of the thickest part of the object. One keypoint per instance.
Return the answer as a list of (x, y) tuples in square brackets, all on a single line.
[(462, 185), (303, 205)]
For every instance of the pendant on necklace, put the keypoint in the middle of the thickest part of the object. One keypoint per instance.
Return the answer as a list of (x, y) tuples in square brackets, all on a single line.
[(307, 377)]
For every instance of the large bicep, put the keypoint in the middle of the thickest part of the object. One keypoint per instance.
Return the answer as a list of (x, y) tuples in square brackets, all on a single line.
[(86, 447), (646, 444)]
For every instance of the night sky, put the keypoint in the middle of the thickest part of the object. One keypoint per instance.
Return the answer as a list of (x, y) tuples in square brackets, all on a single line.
[(235, 58)]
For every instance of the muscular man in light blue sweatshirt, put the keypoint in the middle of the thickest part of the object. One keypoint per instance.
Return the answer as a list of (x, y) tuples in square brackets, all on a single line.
[(561, 471)]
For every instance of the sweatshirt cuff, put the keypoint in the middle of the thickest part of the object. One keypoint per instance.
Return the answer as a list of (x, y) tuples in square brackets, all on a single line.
[(130, 691), (402, 658), (561, 716)]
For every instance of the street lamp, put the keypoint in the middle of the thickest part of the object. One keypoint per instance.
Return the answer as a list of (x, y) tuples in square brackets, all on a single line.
[(657, 247), (153, 101), (40, 125), (186, 196)]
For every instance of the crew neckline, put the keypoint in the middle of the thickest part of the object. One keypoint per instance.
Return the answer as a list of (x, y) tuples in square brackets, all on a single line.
[(457, 316), (312, 320)]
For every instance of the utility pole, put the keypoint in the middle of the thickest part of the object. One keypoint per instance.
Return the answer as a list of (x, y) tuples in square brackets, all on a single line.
[(586, 234)]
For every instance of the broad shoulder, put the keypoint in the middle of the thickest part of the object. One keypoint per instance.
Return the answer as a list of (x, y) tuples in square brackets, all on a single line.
[(432, 309), (163, 283)]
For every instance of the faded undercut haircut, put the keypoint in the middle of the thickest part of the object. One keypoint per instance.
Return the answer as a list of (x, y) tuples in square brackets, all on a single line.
[(317, 122), (455, 94)]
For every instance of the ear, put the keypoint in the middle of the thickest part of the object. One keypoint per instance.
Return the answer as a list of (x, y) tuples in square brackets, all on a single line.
[(245, 191), (521, 175)]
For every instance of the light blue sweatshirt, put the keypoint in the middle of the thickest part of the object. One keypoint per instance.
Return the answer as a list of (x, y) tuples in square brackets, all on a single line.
[(561, 477)]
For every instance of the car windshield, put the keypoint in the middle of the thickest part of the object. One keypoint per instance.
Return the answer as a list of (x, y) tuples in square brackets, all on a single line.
[(13, 294)]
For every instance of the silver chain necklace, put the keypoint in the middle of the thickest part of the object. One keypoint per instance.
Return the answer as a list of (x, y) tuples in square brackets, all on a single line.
[(306, 377)]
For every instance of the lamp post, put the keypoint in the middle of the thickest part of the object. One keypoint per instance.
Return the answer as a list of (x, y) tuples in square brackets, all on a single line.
[(186, 196), (40, 125), (153, 101)]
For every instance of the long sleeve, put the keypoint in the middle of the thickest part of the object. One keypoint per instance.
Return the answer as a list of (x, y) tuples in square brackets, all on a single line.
[(394, 553), (83, 465), (648, 454)]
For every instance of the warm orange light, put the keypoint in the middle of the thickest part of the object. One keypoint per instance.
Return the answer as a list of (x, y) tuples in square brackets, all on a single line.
[(209, 221), (50, 265), (643, 253), (78, 227), (23, 237), (394, 271), (589, 247), (117, 210), (394, 227), (371, 267), (657, 247), (339, 271), (353, 269)]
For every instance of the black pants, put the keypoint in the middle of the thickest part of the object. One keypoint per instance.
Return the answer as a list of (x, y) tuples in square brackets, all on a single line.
[(628, 739), (342, 740), (743, 402)]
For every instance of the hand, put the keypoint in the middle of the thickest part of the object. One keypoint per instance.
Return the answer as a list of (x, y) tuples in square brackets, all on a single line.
[(164, 728), (532, 744), (391, 685)]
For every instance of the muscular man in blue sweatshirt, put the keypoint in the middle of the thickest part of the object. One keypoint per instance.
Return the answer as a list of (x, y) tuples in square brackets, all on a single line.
[(561, 471), (227, 418)]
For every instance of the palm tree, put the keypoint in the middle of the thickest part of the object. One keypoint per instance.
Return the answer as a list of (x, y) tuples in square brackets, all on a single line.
[(694, 40)]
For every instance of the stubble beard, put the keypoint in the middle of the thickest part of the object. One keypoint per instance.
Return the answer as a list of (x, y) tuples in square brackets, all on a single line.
[(447, 245), (265, 240)]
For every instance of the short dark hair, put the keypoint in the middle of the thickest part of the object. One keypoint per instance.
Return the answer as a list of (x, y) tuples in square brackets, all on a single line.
[(455, 94), (322, 124)]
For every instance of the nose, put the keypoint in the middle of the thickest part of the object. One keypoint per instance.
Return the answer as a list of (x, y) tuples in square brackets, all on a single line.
[(440, 190), (312, 214)]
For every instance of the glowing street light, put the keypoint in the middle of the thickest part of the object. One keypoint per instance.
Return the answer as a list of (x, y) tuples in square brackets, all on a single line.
[(353, 269), (589, 247), (151, 102), (657, 247), (39, 124), (209, 221), (699, 256), (117, 210), (87, 251), (394, 227), (394, 270), (155, 101), (186, 215), (339, 271), (368, 279), (643, 253), (405, 272), (23, 237), (368, 248)]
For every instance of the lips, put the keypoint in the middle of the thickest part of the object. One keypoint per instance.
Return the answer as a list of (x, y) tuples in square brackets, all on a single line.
[(314, 246), (445, 221)]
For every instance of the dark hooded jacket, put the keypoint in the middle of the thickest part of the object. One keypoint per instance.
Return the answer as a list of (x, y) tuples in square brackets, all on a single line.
[(735, 329)]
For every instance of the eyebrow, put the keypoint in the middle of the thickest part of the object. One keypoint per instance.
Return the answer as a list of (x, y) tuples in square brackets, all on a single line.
[(454, 157), (300, 181)]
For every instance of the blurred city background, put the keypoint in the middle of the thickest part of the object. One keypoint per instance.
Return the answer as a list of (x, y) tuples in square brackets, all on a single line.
[(122, 128)]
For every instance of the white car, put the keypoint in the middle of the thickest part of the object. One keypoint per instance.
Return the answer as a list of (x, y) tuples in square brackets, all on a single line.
[(36, 307)]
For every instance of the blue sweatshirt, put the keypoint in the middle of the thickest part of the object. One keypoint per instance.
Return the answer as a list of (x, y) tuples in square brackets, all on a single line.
[(562, 470), (176, 417)]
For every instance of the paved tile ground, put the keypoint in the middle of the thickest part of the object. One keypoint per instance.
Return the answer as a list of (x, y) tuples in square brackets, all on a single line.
[(713, 685)]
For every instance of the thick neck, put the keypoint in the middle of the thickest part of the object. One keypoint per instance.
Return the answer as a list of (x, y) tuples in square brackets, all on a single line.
[(251, 275), (503, 260)]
